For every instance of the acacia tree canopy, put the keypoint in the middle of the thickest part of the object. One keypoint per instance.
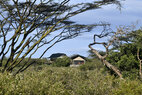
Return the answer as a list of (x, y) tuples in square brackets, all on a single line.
[(26, 26)]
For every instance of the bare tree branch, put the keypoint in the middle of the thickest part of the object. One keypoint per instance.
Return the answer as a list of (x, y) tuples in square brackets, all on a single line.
[(106, 46)]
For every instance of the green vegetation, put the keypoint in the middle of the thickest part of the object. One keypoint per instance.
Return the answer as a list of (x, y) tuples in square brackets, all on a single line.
[(126, 60), (66, 81), (62, 62), (26, 26), (91, 64), (126, 55), (128, 87), (92, 78)]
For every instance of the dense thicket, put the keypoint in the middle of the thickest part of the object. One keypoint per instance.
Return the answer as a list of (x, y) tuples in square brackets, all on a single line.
[(123, 52), (66, 81), (127, 54)]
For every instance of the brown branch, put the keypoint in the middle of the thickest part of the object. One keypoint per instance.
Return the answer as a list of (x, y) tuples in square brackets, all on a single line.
[(140, 62), (106, 45)]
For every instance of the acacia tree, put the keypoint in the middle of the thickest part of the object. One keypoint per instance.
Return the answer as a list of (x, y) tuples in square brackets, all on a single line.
[(26, 26)]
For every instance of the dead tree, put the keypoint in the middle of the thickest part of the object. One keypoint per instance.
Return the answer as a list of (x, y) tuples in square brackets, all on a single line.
[(113, 38), (140, 62)]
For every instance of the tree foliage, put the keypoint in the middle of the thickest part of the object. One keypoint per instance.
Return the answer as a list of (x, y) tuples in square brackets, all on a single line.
[(126, 55), (123, 51), (62, 62)]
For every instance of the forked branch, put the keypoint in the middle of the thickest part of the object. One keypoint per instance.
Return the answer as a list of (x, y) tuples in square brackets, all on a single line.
[(106, 46)]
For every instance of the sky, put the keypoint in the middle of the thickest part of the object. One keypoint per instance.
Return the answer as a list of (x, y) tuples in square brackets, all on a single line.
[(130, 13)]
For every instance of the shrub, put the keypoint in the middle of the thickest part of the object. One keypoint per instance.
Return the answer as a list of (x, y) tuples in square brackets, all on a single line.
[(66, 81), (86, 66), (56, 81), (36, 61), (128, 87), (91, 64), (125, 59), (62, 62)]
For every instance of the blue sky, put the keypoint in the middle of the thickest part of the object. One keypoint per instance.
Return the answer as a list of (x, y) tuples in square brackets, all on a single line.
[(130, 13)]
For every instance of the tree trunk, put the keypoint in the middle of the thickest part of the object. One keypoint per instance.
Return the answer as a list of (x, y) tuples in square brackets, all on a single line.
[(0, 64), (106, 62), (113, 68), (140, 62)]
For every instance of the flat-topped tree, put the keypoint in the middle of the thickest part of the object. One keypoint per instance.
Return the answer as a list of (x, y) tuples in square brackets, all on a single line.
[(26, 26)]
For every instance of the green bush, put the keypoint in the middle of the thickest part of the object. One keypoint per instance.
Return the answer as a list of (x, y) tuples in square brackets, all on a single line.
[(125, 59), (36, 61), (62, 62), (56, 81), (128, 87), (66, 81), (86, 66), (91, 64)]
